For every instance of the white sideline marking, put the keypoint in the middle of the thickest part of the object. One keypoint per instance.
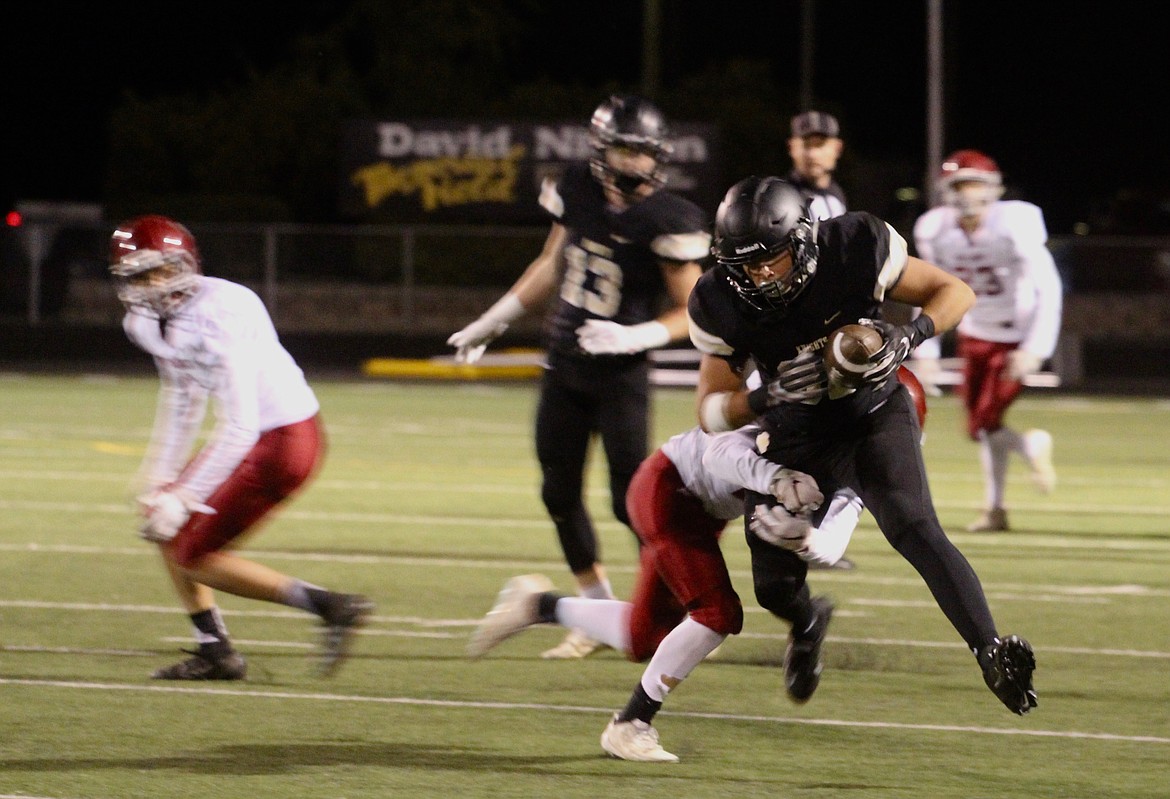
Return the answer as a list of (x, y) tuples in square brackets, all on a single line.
[(473, 705)]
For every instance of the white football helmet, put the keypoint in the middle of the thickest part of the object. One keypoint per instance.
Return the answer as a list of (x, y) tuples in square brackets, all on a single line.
[(155, 263), (970, 181)]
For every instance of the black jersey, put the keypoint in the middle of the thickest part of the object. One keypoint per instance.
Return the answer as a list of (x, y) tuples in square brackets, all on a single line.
[(612, 258), (860, 257)]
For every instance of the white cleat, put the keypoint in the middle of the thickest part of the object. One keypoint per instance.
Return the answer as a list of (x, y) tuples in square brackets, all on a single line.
[(576, 646), (990, 521), (634, 740), (1038, 451), (515, 609)]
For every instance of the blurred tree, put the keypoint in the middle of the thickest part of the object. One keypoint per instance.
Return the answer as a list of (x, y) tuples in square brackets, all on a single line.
[(264, 145)]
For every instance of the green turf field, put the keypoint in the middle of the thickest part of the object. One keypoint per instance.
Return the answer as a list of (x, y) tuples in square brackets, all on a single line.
[(428, 501)]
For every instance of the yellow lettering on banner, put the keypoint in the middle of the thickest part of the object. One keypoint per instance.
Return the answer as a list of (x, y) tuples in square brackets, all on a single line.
[(443, 182)]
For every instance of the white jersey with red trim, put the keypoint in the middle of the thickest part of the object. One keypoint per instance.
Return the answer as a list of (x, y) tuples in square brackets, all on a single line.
[(740, 466), (220, 344), (1007, 264)]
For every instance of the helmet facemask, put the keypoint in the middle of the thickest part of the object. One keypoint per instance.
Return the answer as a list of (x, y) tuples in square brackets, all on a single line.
[(157, 282), (970, 182), (629, 184), (777, 294), (971, 196), (633, 125)]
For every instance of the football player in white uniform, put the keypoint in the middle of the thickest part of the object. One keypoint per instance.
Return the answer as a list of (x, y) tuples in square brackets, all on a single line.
[(211, 338), (998, 248), (684, 605)]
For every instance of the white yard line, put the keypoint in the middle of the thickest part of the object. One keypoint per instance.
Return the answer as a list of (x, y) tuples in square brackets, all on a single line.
[(1152, 483), (1015, 539), (576, 709), (430, 624)]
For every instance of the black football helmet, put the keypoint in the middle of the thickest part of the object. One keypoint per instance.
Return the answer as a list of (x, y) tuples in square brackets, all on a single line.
[(758, 219), (633, 123)]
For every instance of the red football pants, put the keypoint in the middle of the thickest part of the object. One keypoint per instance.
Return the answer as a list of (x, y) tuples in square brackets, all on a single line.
[(280, 462), (987, 391), (682, 568)]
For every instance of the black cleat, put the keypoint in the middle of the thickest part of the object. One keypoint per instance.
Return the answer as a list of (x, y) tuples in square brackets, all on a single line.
[(1007, 669), (802, 659), (204, 666), (342, 615)]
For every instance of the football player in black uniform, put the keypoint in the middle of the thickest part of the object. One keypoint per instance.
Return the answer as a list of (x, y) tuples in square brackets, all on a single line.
[(619, 242), (784, 282)]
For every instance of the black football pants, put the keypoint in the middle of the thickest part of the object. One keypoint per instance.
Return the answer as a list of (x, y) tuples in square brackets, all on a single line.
[(879, 457), (579, 398)]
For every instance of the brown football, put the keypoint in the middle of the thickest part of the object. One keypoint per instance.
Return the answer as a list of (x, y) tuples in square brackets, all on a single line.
[(847, 354)]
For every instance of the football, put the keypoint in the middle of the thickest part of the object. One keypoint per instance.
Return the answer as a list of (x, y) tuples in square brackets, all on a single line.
[(847, 354)]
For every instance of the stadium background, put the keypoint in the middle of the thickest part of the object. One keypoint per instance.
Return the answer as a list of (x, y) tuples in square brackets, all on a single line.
[(240, 121)]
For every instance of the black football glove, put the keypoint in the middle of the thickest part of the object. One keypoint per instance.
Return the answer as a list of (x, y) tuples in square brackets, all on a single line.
[(802, 379), (900, 342)]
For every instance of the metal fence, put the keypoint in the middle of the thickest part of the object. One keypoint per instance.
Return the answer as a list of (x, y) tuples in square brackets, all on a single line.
[(427, 278)]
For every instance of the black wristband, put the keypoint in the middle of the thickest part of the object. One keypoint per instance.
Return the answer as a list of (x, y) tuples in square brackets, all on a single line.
[(758, 400), (920, 329)]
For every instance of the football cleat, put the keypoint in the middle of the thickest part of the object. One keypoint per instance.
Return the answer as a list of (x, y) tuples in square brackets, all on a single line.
[(802, 658), (515, 609), (634, 740), (204, 666), (576, 646), (990, 521), (1007, 669), (341, 615), (1038, 451)]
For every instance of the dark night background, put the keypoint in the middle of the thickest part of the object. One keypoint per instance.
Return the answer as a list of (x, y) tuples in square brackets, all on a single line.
[(112, 102)]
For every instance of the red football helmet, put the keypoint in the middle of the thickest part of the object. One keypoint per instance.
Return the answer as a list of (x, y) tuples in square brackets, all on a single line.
[(970, 181), (912, 384), (155, 263)]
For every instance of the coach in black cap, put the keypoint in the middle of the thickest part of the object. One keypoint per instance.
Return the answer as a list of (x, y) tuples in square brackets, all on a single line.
[(814, 146)]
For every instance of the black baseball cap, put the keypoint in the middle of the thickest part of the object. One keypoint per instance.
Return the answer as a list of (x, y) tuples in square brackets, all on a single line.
[(812, 123)]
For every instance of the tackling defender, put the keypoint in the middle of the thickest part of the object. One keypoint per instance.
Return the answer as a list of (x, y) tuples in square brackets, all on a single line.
[(684, 605)]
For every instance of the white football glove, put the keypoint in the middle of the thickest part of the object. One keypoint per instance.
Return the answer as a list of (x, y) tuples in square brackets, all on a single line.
[(166, 511), (780, 528), (471, 341), (796, 491), (603, 337), (1022, 363)]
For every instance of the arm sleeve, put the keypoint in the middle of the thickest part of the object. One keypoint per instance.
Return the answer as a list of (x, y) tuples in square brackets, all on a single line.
[(237, 409), (827, 542), (1040, 268), (178, 417), (732, 457)]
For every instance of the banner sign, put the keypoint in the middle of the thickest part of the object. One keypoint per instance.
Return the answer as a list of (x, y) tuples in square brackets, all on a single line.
[(455, 171)]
